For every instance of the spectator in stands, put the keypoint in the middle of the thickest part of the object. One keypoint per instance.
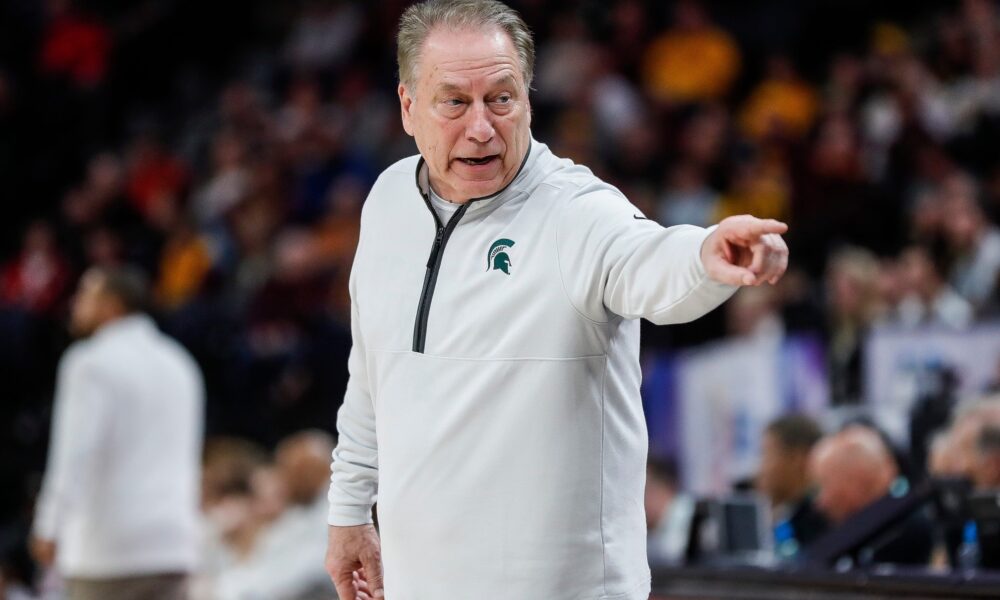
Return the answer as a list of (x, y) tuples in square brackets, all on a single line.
[(104, 247), (129, 403), (324, 34), (668, 514), (100, 197), (185, 262), (153, 175), (692, 61), (853, 305), (986, 469), (229, 182), (964, 433), (753, 313), (784, 478), (835, 202), (566, 62), (929, 300), (974, 242), (853, 471), (687, 197), (782, 106), (282, 562), (74, 45), (35, 280), (228, 464), (943, 457), (759, 185), (228, 493)]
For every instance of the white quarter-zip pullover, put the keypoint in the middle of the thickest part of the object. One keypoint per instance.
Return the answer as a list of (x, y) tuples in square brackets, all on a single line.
[(493, 404), (120, 495)]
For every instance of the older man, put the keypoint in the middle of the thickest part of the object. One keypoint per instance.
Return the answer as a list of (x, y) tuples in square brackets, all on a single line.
[(853, 470), (493, 403)]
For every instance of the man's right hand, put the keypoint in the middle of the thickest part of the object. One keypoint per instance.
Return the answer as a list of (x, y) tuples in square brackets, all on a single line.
[(42, 550), (354, 561)]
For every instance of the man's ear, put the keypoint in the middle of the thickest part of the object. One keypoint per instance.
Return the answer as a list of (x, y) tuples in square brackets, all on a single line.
[(405, 106)]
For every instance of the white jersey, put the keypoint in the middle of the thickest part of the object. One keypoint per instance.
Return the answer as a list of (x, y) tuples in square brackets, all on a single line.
[(493, 404)]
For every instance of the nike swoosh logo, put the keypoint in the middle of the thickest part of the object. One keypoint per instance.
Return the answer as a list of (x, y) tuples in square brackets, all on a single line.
[(638, 218)]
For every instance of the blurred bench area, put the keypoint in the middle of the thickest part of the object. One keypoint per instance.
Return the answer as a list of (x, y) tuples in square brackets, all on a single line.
[(776, 584), (836, 433)]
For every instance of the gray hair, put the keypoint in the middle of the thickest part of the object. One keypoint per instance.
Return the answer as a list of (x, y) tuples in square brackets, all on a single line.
[(420, 19)]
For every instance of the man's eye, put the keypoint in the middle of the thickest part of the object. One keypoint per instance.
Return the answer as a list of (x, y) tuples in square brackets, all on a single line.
[(453, 102), (505, 99)]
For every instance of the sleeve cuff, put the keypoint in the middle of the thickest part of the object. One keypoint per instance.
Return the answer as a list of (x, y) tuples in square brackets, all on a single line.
[(699, 266), (349, 516)]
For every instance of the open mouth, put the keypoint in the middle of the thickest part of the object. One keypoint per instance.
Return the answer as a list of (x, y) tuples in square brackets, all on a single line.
[(478, 161)]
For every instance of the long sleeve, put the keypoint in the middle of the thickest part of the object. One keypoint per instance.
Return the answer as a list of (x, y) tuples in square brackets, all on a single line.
[(80, 419), (613, 260), (354, 471)]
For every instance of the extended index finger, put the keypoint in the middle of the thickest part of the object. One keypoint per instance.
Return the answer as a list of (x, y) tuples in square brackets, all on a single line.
[(750, 229), (759, 227)]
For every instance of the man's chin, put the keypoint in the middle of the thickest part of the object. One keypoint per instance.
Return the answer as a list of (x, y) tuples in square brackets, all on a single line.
[(481, 188), (481, 191)]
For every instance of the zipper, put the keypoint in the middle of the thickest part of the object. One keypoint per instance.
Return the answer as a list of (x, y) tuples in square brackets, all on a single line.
[(433, 266), (437, 250)]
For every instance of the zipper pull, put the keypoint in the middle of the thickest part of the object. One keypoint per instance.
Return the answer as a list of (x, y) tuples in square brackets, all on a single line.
[(436, 248)]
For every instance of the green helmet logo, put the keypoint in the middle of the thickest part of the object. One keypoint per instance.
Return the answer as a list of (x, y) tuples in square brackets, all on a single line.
[(497, 257)]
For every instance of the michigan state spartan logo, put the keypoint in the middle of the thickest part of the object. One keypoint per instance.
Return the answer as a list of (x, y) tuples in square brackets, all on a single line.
[(497, 257)]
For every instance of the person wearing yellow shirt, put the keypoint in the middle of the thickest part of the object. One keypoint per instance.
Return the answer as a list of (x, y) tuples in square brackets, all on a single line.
[(692, 61), (184, 264), (782, 104)]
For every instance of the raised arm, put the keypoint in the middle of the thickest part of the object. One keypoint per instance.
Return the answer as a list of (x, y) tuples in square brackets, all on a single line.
[(614, 261)]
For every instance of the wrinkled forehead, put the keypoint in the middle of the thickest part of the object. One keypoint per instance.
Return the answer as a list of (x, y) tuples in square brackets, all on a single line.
[(463, 56)]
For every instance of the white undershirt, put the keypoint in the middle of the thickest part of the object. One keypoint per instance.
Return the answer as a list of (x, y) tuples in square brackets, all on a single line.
[(443, 208)]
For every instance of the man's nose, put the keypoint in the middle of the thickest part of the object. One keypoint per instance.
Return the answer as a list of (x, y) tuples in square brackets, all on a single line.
[(480, 128)]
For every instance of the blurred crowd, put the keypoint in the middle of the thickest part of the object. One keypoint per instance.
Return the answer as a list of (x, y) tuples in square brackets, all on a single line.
[(227, 148), (265, 519), (262, 531), (821, 489)]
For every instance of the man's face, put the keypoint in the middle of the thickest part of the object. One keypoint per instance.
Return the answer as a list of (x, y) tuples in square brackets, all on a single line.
[(840, 490), (89, 305), (468, 111), (837, 498), (781, 470)]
